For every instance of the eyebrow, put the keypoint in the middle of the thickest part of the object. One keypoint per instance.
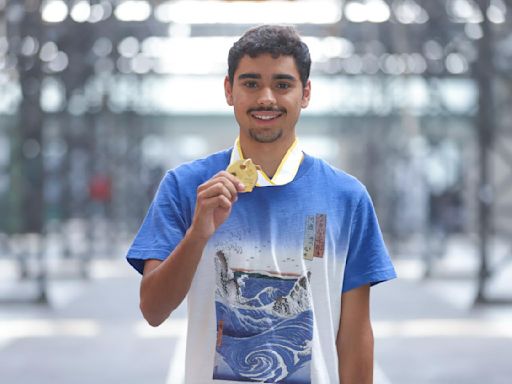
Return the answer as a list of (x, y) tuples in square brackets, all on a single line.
[(249, 76), (284, 76), (279, 76)]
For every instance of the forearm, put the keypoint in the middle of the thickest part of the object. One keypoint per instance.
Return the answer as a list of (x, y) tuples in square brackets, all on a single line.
[(355, 356), (355, 338), (163, 289), (166, 283)]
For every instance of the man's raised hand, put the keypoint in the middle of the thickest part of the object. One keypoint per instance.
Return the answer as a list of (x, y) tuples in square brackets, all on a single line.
[(215, 199)]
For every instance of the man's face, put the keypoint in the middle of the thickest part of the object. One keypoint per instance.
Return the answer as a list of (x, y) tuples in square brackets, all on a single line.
[(267, 96)]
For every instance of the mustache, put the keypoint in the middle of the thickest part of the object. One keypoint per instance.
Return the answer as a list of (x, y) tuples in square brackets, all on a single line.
[(266, 109)]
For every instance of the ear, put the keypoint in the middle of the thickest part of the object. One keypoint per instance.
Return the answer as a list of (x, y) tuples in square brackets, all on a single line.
[(306, 94), (228, 91)]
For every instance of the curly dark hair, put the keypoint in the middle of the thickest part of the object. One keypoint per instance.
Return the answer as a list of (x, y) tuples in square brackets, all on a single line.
[(276, 40)]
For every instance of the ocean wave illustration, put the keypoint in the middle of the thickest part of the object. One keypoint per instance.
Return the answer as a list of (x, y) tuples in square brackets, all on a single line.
[(241, 322), (265, 326), (263, 289), (271, 356), (264, 297)]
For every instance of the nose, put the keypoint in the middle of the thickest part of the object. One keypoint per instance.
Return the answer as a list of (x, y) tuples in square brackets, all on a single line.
[(266, 97)]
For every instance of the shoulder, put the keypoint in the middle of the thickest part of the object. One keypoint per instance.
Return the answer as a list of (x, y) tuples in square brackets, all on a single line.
[(200, 170), (184, 179), (331, 178)]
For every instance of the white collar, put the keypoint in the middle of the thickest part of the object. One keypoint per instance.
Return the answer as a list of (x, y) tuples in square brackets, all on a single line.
[(285, 172)]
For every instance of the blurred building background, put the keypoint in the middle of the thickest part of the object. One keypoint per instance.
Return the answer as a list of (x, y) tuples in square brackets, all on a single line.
[(99, 97)]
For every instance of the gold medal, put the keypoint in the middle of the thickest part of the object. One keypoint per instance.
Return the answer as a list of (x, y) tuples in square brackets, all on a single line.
[(245, 171)]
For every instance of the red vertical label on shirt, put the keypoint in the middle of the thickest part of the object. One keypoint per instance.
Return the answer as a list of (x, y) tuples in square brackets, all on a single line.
[(220, 328), (320, 227)]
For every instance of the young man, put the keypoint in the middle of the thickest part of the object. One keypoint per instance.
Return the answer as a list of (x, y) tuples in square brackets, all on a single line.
[(277, 279)]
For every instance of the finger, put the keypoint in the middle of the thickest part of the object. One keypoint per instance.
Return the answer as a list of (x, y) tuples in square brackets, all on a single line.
[(233, 188), (227, 176), (239, 185), (226, 181), (219, 201), (217, 189), (224, 202)]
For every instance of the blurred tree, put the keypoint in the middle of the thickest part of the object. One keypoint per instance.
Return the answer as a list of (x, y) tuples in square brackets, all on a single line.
[(27, 204)]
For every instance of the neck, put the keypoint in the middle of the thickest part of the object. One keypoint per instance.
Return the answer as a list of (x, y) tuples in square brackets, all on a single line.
[(267, 155)]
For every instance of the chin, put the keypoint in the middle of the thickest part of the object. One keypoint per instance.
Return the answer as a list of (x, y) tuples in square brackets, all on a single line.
[(265, 137)]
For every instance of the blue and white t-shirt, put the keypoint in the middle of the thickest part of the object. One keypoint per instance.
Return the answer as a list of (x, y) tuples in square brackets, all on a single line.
[(265, 302)]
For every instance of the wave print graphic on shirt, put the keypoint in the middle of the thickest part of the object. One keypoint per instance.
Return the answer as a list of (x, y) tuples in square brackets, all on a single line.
[(265, 326)]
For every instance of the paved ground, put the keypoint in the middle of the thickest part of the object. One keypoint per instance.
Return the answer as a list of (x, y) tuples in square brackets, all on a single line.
[(429, 332), (426, 332)]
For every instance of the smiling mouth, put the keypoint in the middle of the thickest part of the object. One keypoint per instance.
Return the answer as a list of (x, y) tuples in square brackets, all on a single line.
[(266, 115)]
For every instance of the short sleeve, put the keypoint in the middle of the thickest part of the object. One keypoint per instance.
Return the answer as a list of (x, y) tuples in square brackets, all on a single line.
[(163, 227), (368, 261)]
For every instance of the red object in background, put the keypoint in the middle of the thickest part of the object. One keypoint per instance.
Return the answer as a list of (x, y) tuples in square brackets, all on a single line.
[(100, 188)]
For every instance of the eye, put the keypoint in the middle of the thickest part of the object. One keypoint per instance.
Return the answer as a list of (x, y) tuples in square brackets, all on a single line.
[(283, 85), (250, 84)]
